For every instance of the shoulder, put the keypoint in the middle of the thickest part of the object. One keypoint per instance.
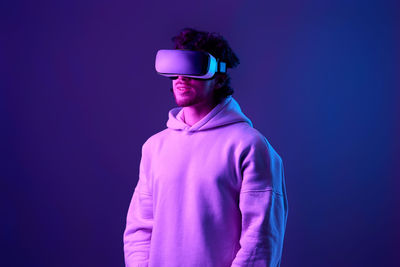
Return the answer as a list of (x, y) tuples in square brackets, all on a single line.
[(154, 140), (251, 139), (246, 134)]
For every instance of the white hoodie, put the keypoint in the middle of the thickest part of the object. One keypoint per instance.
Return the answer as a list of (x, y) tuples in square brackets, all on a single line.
[(211, 194)]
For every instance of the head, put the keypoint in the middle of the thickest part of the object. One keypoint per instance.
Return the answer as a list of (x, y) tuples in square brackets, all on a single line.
[(218, 87)]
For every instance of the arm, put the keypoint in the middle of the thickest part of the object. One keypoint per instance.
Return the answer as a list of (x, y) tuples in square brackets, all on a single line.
[(263, 205), (139, 222)]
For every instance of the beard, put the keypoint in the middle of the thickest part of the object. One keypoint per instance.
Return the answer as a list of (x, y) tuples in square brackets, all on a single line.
[(186, 100)]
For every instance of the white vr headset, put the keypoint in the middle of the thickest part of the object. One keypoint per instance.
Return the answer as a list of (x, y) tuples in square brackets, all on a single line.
[(188, 63)]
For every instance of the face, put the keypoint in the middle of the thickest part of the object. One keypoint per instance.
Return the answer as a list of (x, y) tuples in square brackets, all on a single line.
[(191, 92)]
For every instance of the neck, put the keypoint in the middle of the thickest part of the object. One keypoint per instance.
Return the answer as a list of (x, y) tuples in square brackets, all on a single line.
[(195, 113)]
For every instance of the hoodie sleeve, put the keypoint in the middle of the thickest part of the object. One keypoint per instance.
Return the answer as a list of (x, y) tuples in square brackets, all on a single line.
[(263, 205), (139, 222)]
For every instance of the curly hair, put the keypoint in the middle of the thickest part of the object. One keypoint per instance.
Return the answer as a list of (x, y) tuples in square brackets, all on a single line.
[(214, 44)]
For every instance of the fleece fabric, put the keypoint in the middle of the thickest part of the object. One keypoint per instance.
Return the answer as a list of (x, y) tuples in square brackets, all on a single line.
[(210, 194)]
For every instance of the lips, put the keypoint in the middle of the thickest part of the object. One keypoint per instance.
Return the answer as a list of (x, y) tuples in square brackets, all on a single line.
[(183, 88)]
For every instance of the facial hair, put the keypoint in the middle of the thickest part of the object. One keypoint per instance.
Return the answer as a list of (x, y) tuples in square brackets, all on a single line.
[(184, 102)]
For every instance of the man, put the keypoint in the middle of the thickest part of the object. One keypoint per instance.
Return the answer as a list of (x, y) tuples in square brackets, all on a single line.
[(211, 189)]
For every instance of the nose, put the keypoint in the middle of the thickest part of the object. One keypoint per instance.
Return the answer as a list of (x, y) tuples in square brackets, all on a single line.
[(183, 78)]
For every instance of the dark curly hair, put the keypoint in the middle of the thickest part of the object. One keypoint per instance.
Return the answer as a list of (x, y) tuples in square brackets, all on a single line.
[(214, 44)]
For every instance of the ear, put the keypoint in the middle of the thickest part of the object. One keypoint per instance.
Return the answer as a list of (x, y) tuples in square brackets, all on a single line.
[(220, 80)]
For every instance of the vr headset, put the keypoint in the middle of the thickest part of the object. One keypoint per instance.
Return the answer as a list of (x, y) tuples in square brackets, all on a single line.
[(188, 63)]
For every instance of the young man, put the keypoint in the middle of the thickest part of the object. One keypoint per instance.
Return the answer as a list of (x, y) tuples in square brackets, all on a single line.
[(211, 189)]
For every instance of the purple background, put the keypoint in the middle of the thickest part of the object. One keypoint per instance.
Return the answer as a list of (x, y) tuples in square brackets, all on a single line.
[(79, 96)]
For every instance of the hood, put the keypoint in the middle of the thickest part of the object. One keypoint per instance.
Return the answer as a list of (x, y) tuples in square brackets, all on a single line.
[(226, 112)]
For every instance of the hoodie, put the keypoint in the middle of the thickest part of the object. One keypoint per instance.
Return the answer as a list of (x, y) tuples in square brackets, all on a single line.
[(210, 194)]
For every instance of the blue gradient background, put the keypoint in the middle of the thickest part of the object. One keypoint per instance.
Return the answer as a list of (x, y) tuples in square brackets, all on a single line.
[(79, 96)]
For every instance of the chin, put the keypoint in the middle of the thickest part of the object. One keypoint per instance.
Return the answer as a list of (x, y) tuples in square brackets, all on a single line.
[(185, 102)]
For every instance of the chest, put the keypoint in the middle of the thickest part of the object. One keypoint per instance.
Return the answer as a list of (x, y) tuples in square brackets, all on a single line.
[(202, 163)]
